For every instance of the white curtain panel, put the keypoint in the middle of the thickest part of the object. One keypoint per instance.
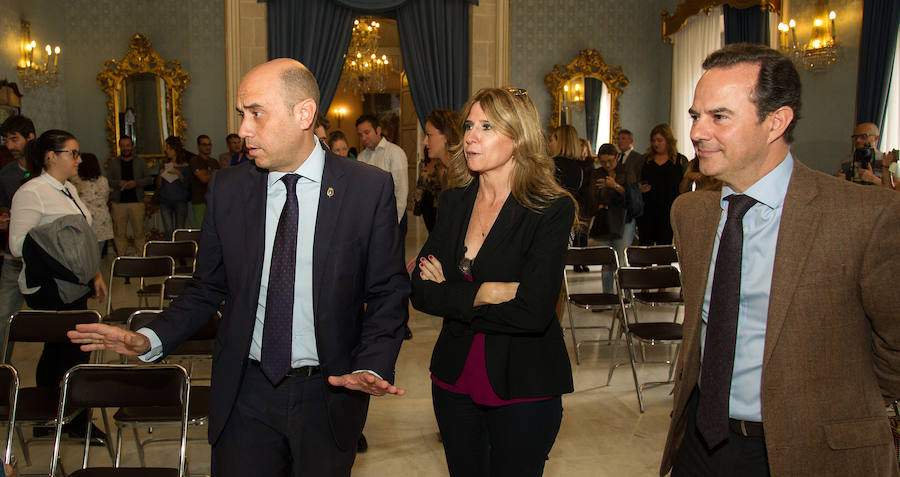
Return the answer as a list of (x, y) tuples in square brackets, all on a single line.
[(702, 35), (890, 130)]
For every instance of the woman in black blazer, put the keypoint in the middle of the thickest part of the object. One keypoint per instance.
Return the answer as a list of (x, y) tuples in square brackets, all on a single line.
[(492, 267)]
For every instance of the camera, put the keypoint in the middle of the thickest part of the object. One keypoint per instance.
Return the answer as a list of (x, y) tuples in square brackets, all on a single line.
[(863, 158)]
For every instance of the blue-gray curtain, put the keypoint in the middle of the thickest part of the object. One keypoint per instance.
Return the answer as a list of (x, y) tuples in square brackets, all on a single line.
[(881, 19), (314, 32), (434, 39), (593, 95), (746, 25)]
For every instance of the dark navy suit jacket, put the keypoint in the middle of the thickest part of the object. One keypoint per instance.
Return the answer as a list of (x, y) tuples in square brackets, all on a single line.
[(360, 284)]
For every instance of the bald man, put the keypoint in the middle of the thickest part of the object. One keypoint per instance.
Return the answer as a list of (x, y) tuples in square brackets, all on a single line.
[(864, 135), (304, 248)]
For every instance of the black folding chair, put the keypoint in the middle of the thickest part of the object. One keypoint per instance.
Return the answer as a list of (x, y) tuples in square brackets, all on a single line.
[(186, 234), (184, 252), (589, 256), (9, 394), (119, 385), (628, 280), (656, 255), (172, 288), (37, 405), (135, 267)]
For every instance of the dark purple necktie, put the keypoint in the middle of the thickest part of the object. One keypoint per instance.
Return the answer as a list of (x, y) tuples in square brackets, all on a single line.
[(275, 359), (721, 327)]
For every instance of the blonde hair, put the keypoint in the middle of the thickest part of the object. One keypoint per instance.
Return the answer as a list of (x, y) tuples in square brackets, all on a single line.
[(512, 114), (567, 137)]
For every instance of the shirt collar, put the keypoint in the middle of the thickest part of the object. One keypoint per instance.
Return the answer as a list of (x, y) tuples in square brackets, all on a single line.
[(381, 143), (771, 189), (46, 177), (311, 169)]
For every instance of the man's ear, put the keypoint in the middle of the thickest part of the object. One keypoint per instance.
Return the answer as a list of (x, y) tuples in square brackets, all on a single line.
[(305, 113), (779, 120), (30, 137)]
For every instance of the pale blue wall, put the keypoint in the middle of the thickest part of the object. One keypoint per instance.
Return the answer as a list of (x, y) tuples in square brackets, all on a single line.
[(93, 31), (627, 34)]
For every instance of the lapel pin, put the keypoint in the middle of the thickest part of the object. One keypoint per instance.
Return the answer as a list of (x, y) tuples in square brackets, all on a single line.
[(330, 192)]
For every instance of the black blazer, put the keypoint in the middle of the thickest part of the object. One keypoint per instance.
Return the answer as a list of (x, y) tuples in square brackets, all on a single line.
[(360, 284), (524, 349)]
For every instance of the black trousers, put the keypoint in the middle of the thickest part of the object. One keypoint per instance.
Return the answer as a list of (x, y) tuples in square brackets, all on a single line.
[(279, 431), (511, 440), (739, 456)]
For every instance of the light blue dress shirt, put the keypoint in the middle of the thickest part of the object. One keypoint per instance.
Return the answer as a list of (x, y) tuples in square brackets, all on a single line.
[(303, 342), (761, 225)]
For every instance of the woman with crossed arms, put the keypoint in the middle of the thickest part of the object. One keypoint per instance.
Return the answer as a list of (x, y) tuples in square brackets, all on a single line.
[(492, 268)]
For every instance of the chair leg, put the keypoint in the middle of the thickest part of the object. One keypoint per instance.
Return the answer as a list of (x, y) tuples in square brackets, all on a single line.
[(118, 457), (612, 353), (572, 331), (637, 384), (24, 444), (674, 360), (140, 446), (109, 446)]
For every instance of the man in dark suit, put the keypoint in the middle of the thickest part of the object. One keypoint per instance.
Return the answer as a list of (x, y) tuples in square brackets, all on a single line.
[(304, 248), (791, 336), (633, 160)]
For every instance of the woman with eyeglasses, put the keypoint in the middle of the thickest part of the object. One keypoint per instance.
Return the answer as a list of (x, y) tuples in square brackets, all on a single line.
[(46, 198), (492, 268)]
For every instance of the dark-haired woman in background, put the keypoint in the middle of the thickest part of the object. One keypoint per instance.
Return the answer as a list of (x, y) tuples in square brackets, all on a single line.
[(660, 178), (338, 144), (492, 268), (441, 135), (173, 187), (93, 189), (53, 159), (610, 184)]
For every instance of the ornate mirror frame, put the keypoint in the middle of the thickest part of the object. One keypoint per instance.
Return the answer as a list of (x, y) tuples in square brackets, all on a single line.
[(141, 58), (588, 63)]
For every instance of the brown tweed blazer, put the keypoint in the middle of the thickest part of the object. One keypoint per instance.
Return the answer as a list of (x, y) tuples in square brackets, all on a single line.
[(832, 350)]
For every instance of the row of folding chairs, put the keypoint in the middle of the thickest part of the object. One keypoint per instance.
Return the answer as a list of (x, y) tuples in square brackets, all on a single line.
[(650, 279), (134, 389)]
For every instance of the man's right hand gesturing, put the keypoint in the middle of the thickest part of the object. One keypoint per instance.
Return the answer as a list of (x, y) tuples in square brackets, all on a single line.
[(96, 336)]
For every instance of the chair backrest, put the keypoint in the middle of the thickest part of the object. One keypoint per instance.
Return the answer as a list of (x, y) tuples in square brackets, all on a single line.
[(637, 278), (44, 326), (119, 385), (172, 288), (176, 249), (605, 256), (9, 395), (643, 256), (137, 267), (186, 234)]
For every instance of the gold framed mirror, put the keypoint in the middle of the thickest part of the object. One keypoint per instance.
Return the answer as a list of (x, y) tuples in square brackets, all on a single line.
[(143, 99), (586, 87)]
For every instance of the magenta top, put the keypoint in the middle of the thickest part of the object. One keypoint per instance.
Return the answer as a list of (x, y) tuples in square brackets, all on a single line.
[(474, 379)]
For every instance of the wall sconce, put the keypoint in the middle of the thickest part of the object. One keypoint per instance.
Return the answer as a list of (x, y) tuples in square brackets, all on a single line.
[(36, 73), (340, 112), (820, 52)]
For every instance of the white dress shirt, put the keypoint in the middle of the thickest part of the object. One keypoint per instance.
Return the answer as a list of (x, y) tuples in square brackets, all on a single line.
[(389, 157)]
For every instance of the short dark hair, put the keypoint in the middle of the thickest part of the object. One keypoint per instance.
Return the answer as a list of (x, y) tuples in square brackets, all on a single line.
[(371, 119), (202, 136), (232, 135), (127, 137), (321, 121), (625, 131), (17, 124), (89, 168), (36, 151), (607, 149), (777, 85)]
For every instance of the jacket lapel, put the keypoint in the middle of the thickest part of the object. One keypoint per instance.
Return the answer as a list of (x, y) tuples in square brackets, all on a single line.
[(700, 237), (254, 195), (798, 219), (326, 221)]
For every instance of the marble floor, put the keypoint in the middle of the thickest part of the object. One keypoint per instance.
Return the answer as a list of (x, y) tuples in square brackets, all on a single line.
[(602, 434)]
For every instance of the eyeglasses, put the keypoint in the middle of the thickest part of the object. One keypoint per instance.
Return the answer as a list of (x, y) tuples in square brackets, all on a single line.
[(75, 152), (862, 136)]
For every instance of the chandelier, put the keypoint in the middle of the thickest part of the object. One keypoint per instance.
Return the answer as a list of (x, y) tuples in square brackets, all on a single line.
[(35, 74), (364, 70), (819, 53)]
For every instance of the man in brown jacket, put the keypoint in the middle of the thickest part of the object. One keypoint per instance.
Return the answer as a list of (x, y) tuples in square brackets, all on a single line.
[(791, 335)]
